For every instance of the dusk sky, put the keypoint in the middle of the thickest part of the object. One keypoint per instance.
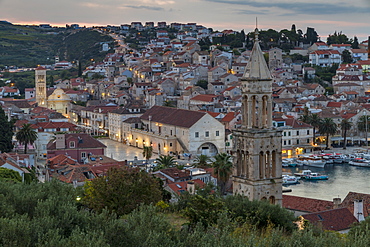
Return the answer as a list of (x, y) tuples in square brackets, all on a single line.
[(350, 17)]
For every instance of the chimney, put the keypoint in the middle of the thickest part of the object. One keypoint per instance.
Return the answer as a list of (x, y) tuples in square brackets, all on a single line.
[(191, 187), (358, 210), (60, 142), (336, 201)]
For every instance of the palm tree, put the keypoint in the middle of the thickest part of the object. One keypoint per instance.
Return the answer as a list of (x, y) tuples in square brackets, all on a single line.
[(363, 124), (315, 121), (165, 161), (328, 127), (147, 153), (345, 125), (222, 165), (202, 160), (306, 116), (26, 135), (167, 103)]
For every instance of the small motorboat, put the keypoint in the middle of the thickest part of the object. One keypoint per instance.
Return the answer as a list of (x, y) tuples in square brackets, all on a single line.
[(312, 160), (360, 162), (289, 162), (316, 176), (288, 179), (303, 174)]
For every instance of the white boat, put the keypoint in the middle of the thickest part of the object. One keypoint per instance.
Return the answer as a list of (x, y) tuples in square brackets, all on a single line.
[(287, 179), (289, 162), (360, 162), (312, 160), (304, 173), (335, 158)]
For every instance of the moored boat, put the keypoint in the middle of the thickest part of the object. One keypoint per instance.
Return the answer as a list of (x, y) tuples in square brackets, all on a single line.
[(312, 160), (360, 162), (316, 176), (287, 179), (289, 162), (303, 173)]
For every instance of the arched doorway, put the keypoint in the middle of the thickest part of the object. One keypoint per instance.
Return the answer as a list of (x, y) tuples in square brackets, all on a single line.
[(208, 149)]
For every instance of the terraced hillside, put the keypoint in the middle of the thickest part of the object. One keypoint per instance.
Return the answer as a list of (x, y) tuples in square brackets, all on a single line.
[(28, 46)]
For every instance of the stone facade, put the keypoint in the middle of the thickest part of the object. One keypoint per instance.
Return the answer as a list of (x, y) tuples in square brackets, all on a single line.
[(257, 144)]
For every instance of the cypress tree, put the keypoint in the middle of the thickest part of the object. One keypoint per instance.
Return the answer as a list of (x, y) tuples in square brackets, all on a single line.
[(6, 132), (79, 68)]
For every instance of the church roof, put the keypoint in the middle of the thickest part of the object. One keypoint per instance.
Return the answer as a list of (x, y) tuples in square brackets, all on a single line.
[(58, 94), (257, 68)]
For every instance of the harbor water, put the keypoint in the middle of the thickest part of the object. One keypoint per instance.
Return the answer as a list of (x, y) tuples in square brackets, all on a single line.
[(343, 178)]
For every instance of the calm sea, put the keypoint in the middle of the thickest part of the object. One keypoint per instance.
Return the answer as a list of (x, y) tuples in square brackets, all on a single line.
[(343, 178)]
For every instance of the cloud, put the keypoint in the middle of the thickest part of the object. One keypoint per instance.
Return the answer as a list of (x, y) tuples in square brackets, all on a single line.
[(144, 7), (299, 7), (249, 12)]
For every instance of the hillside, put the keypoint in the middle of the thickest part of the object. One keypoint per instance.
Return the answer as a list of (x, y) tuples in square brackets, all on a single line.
[(28, 46)]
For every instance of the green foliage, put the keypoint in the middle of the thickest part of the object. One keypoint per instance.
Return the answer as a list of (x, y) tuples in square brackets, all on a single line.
[(222, 165), (168, 103), (202, 83), (325, 73), (6, 132), (346, 57), (165, 161), (355, 44), (345, 125), (202, 161), (25, 46), (30, 46), (78, 102), (338, 38), (147, 152), (9, 175), (47, 214), (121, 191), (363, 124), (260, 214), (203, 210), (26, 135), (328, 127), (82, 45)]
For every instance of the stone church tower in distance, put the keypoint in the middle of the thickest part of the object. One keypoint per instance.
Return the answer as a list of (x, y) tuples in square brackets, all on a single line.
[(257, 170), (40, 84)]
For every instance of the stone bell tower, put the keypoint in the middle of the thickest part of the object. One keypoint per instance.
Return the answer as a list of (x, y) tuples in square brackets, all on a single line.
[(257, 145), (40, 85)]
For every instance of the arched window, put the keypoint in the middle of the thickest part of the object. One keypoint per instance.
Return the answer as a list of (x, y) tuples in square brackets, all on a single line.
[(272, 199)]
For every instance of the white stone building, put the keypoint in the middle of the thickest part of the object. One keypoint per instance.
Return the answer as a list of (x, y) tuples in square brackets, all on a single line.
[(175, 131)]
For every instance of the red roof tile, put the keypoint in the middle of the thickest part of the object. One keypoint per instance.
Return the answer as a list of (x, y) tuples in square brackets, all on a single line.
[(173, 116), (332, 220), (304, 204)]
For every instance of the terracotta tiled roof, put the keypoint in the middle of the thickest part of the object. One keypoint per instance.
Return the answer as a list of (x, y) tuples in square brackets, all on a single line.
[(358, 51), (213, 114), (82, 140), (173, 116), (204, 97), (180, 187), (229, 116), (175, 173), (334, 104), (40, 68), (304, 204), (102, 169), (332, 220), (61, 159), (41, 126)]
